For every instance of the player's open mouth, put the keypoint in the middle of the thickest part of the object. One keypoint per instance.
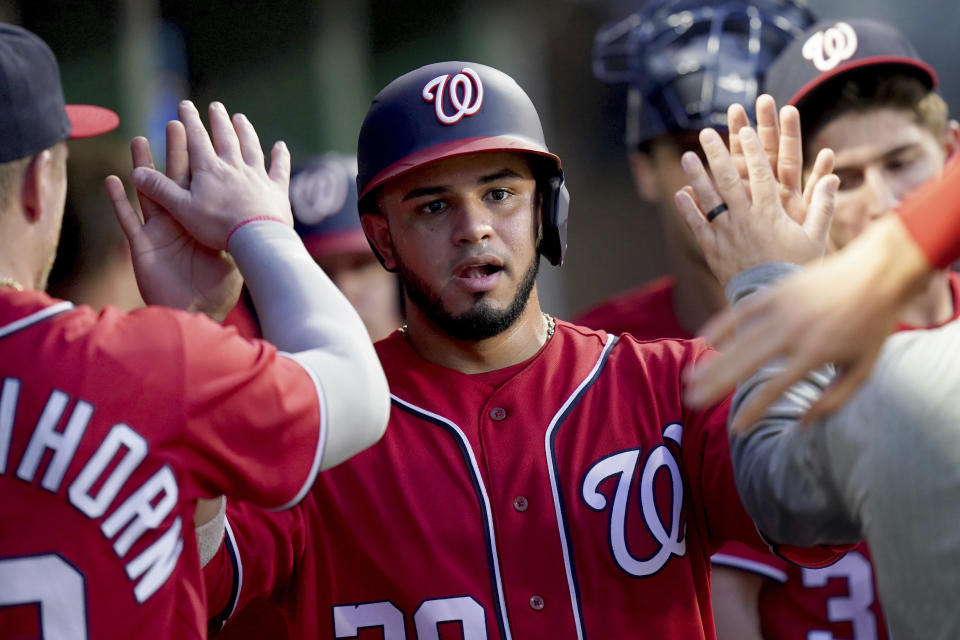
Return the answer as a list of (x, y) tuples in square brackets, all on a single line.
[(479, 271), (480, 274)]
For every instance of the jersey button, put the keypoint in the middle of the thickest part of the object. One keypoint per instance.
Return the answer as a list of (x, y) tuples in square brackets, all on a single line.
[(520, 503), (498, 413), (536, 603)]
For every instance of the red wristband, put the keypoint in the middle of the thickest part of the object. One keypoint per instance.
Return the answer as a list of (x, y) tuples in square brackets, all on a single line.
[(932, 216), (236, 227)]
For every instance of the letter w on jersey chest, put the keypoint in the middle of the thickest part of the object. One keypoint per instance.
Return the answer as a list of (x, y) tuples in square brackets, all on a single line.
[(623, 466)]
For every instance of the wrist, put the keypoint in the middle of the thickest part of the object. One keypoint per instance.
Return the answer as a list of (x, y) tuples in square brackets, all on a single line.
[(243, 223)]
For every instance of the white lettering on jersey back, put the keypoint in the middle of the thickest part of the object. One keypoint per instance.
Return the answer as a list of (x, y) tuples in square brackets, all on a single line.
[(624, 465), (139, 511), (142, 512), (120, 435), (8, 409), (157, 561), (63, 444)]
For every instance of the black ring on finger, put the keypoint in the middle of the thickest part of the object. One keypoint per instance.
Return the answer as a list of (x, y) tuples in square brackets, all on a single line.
[(717, 210)]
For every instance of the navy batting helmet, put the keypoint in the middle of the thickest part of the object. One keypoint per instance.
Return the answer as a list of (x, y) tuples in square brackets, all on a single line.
[(686, 61), (452, 109)]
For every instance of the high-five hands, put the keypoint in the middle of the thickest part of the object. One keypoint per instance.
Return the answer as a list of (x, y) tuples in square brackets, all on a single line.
[(753, 194), (209, 188)]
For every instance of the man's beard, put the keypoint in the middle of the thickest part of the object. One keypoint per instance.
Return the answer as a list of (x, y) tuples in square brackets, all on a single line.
[(482, 320)]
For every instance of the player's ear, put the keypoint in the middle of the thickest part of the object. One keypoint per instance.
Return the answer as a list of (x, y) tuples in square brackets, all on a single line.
[(37, 182), (378, 234), (645, 176), (951, 138)]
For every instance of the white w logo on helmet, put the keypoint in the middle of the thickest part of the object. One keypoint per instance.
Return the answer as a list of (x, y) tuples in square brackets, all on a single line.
[(827, 49), (466, 95)]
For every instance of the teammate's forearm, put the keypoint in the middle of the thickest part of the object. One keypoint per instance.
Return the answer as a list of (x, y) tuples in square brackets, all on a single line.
[(303, 313), (932, 217), (781, 484)]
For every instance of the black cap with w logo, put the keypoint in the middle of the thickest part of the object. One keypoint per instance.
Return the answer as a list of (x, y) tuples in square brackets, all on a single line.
[(832, 48)]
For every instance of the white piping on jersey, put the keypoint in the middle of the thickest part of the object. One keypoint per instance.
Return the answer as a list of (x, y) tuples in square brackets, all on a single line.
[(488, 512), (726, 560), (33, 318), (321, 440), (567, 564), (238, 568)]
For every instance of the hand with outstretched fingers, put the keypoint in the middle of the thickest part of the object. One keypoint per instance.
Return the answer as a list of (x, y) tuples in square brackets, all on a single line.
[(229, 184), (171, 267), (756, 226), (782, 142), (839, 311), (210, 188)]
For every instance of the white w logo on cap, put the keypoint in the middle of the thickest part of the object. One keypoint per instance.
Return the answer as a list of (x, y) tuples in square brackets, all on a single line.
[(464, 81), (827, 49)]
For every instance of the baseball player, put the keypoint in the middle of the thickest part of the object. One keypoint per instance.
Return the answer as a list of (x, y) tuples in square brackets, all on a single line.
[(884, 466), (112, 426), (867, 96), (684, 63), (538, 479), (681, 80)]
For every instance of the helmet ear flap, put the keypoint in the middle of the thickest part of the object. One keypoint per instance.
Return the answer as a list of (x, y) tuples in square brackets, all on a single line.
[(554, 210)]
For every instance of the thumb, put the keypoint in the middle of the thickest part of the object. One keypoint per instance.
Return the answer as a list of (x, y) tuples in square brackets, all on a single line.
[(162, 190), (820, 213)]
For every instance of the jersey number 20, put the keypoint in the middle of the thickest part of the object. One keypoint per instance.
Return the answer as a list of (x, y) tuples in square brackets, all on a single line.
[(349, 619)]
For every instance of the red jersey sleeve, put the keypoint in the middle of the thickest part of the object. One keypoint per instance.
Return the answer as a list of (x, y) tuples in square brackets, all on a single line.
[(932, 216), (258, 556), (252, 418)]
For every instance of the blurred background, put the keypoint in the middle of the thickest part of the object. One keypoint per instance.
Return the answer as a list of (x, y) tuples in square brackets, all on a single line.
[(305, 71)]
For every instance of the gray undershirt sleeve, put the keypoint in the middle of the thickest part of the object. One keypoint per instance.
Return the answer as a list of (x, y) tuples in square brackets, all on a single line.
[(780, 468), (885, 467), (304, 314)]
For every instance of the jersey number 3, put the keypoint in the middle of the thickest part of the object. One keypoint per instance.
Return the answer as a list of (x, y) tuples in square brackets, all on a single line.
[(464, 610)]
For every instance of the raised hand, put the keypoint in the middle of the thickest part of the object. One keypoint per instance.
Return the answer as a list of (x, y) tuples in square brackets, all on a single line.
[(781, 140), (756, 225), (839, 311), (228, 185), (171, 267)]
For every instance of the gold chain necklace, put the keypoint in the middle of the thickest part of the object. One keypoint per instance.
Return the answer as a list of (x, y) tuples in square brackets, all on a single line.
[(551, 324), (10, 282)]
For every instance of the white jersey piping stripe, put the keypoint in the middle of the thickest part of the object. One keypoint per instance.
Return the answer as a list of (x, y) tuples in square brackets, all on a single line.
[(488, 511), (567, 564), (33, 318), (752, 566), (321, 440), (237, 570)]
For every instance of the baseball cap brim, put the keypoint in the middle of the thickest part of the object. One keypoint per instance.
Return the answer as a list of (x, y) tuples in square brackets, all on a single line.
[(454, 149), (912, 66), (87, 120)]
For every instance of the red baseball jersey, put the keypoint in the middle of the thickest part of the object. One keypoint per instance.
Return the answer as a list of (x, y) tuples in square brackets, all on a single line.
[(646, 313), (111, 427), (568, 496), (796, 603)]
